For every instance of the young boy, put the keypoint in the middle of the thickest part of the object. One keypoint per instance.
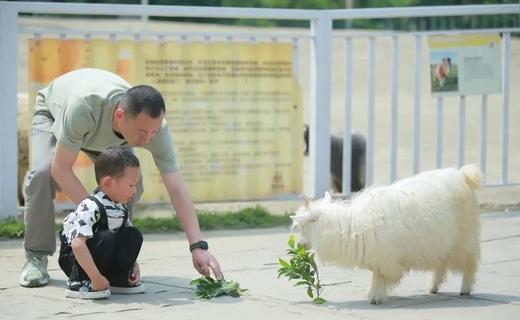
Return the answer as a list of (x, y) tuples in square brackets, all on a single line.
[(99, 246)]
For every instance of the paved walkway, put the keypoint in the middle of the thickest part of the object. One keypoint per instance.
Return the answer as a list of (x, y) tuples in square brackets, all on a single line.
[(249, 257)]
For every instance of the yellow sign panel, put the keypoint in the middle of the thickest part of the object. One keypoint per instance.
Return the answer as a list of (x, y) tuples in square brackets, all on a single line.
[(234, 109), (466, 40)]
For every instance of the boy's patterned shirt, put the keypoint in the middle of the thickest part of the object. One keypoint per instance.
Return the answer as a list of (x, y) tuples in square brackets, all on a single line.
[(80, 221)]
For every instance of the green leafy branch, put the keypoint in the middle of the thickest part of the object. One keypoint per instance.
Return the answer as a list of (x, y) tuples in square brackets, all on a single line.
[(208, 288), (302, 267)]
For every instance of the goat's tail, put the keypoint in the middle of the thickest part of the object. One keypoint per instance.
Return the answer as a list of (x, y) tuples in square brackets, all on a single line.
[(472, 176)]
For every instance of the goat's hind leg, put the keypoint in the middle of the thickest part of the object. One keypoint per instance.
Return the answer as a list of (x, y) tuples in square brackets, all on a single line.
[(468, 276)]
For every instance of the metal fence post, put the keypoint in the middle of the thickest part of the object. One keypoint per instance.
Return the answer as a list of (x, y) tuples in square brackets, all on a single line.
[(506, 63), (417, 106), (8, 110), (347, 119), (319, 122), (144, 17)]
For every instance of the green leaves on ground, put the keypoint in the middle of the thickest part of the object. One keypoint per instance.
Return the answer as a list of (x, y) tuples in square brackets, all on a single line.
[(302, 267), (208, 288)]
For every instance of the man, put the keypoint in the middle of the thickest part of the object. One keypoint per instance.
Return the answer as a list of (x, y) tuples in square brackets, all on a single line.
[(88, 110)]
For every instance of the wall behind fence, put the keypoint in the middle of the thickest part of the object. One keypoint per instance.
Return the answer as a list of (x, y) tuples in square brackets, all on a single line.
[(234, 109)]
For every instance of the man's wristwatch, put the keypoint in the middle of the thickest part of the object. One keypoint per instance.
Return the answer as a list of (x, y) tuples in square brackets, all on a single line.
[(199, 245)]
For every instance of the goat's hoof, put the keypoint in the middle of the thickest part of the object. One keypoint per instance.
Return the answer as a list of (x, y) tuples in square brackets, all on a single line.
[(465, 293), (434, 290), (376, 301)]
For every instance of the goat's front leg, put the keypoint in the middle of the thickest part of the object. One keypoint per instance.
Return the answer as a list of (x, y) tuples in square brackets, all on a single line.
[(378, 290), (438, 277)]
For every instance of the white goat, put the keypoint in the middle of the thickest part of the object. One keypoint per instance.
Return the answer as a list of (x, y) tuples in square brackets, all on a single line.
[(428, 222)]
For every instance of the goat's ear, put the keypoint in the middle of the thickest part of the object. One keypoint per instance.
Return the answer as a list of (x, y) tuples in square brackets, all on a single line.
[(327, 197), (295, 222), (307, 200)]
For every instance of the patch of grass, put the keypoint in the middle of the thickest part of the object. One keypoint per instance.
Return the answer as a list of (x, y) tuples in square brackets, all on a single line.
[(247, 218), (11, 228)]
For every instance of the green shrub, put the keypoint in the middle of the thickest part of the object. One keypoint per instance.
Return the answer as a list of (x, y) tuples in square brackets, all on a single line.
[(247, 218), (11, 228)]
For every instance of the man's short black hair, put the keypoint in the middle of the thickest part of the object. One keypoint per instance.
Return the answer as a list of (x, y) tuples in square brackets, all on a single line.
[(113, 161), (145, 99)]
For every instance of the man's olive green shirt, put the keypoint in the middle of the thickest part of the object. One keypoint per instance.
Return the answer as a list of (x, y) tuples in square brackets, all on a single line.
[(82, 103)]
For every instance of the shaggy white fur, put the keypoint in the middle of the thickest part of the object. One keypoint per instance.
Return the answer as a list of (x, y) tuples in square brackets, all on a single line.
[(427, 222)]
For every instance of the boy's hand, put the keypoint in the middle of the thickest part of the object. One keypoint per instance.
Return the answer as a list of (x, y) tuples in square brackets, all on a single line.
[(85, 260), (135, 275), (100, 283)]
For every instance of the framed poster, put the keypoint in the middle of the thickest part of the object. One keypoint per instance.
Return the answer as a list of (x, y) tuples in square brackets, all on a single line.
[(465, 64)]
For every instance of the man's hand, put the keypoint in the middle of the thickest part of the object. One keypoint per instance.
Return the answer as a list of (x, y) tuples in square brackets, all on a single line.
[(204, 261), (135, 275)]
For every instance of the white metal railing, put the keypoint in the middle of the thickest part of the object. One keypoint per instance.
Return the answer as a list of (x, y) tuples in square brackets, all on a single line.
[(439, 131), (321, 35)]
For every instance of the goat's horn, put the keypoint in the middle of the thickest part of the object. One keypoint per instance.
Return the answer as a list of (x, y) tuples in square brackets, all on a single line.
[(307, 199)]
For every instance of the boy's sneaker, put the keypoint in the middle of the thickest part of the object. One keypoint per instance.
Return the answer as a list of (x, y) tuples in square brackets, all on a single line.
[(83, 290), (34, 272), (130, 289)]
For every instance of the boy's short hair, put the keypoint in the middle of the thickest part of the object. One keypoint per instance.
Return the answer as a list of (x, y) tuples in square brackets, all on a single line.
[(113, 161)]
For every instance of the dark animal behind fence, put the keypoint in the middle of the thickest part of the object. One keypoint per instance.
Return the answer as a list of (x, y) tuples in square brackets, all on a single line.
[(357, 167)]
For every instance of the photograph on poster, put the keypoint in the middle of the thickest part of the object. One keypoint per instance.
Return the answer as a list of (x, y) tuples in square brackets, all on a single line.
[(444, 71)]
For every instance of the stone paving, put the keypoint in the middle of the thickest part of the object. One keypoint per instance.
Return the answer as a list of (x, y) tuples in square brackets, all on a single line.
[(249, 257)]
